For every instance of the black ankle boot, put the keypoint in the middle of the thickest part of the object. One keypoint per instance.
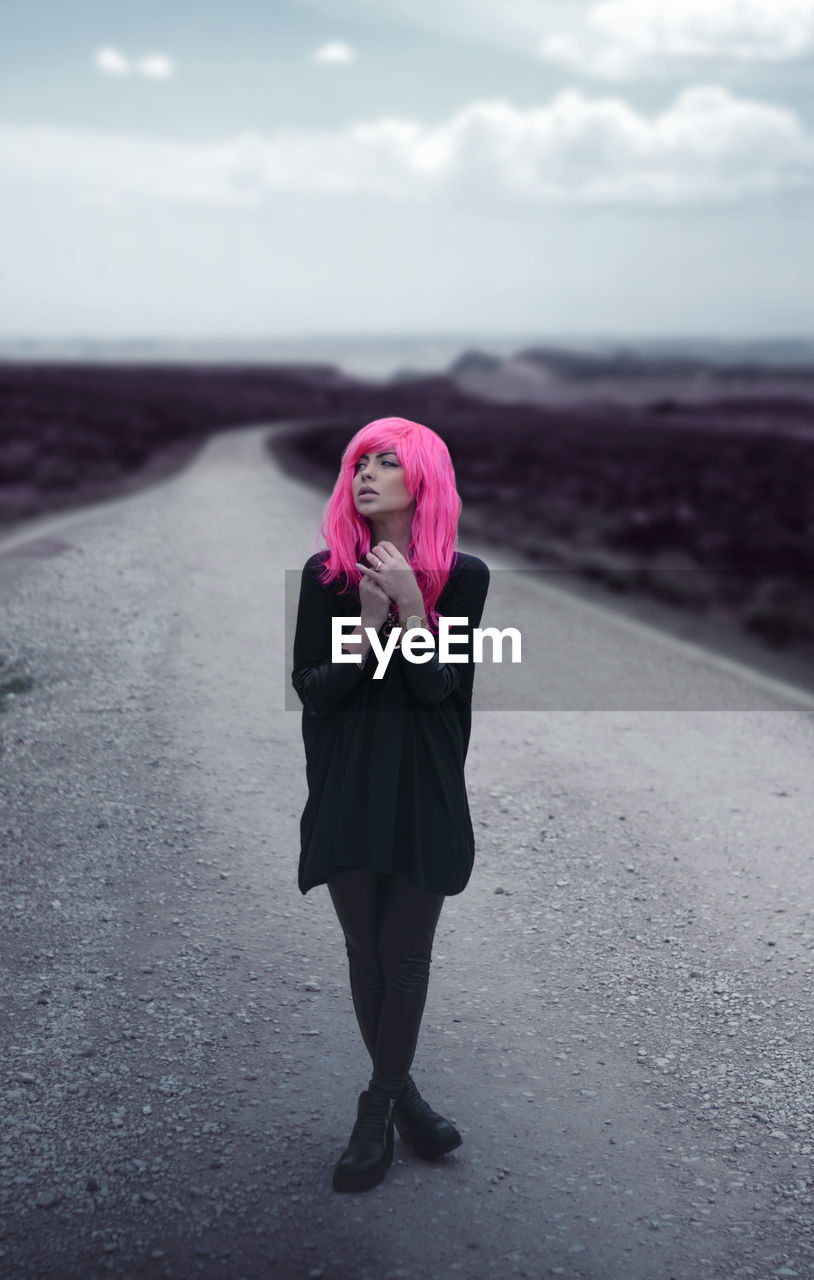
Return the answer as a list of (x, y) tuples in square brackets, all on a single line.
[(430, 1135), (369, 1153)]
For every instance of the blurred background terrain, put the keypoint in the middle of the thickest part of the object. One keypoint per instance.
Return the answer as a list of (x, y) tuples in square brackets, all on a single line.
[(678, 478)]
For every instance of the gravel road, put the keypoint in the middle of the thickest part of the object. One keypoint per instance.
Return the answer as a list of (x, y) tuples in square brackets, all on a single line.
[(619, 1015)]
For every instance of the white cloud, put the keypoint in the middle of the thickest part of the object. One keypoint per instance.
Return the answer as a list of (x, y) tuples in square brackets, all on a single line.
[(111, 62), (706, 147), (335, 53), (623, 38), (153, 66)]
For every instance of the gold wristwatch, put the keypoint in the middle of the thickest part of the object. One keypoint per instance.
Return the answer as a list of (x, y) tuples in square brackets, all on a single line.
[(409, 624)]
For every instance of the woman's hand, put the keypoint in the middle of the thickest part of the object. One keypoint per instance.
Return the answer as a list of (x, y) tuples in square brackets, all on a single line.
[(375, 602), (389, 571)]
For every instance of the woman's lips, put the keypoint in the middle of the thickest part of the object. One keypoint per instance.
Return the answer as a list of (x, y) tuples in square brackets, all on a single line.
[(368, 493)]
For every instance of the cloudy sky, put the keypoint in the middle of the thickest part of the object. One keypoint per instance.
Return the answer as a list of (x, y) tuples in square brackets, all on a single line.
[(201, 169)]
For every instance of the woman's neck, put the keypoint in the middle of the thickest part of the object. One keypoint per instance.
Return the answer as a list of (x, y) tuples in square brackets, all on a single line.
[(393, 529)]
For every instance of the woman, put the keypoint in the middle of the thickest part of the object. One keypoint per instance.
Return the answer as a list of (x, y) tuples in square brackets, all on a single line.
[(386, 825)]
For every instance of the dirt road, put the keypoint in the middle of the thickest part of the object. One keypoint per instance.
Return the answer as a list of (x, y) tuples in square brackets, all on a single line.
[(619, 1016)]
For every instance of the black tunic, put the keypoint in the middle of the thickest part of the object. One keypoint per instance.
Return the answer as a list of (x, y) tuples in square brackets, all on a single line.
[(385, 758)]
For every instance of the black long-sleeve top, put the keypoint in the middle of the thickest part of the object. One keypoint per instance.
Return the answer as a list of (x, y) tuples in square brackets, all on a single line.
[(385, 758)]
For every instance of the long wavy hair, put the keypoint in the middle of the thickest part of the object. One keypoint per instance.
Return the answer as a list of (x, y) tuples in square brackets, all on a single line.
[(429, 478)]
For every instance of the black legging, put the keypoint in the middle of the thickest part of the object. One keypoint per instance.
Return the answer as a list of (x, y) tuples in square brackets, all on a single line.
[(389, 926)]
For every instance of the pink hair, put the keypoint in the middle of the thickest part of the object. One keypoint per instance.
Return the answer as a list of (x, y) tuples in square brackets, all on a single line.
[(429, 478)]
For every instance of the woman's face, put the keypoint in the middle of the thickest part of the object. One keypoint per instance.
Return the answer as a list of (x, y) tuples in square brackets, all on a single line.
[(378, 485)]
